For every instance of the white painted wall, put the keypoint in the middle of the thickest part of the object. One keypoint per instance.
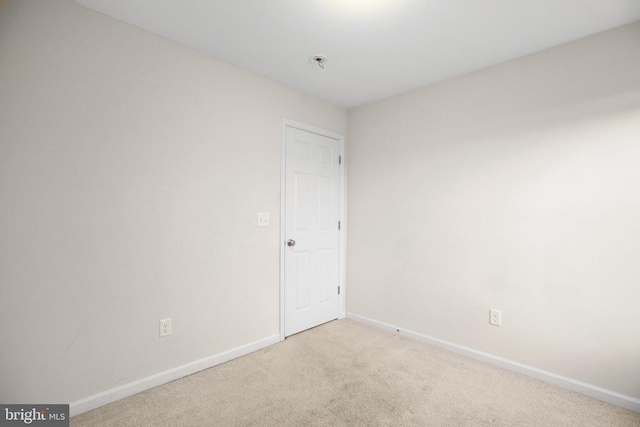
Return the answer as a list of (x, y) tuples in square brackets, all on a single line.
[(131, 173), (515, 188), (132, 169)]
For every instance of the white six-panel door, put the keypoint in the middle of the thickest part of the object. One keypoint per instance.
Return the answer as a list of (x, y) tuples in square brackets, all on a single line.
[(312, 244)]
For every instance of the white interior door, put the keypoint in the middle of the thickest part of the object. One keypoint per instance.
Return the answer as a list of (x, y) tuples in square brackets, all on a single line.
[(312, 244)]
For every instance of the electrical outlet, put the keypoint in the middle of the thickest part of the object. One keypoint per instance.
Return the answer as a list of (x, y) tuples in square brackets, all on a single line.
[(165, 327), (495, 317)]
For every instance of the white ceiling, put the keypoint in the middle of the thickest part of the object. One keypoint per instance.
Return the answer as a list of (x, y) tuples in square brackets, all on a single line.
[(375, 48)]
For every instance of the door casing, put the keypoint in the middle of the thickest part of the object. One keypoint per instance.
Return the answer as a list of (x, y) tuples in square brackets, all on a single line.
[(342, 208)]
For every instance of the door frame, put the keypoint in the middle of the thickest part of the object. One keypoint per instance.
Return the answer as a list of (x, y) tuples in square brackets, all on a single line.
[(342, 210)]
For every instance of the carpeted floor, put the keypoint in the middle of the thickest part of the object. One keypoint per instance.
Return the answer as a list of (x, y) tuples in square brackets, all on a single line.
[(347, 373)]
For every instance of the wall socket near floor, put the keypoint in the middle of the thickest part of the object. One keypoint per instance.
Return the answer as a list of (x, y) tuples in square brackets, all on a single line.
[(495, 317), (165, 328)]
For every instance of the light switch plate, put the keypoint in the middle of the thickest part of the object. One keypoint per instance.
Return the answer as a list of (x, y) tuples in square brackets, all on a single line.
[(263, 219)]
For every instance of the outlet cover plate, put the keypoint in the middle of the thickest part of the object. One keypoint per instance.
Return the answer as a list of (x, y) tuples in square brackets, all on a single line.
[(165, 327), (495, 317)]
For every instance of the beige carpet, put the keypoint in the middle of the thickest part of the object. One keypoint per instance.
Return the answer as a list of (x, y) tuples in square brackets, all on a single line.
[(347, 373)]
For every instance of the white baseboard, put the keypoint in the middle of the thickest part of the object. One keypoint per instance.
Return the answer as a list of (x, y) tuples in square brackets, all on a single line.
[(126, 390), (590, 390)]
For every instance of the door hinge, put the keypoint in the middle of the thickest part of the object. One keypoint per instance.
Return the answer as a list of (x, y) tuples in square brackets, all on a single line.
[(339, 225), (338, 290), (339, 160)]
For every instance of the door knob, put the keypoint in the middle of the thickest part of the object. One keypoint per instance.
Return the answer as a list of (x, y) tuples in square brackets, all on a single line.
[(291, 242)]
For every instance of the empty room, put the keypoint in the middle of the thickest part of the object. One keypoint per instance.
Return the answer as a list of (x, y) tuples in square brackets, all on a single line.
[(319, 212)]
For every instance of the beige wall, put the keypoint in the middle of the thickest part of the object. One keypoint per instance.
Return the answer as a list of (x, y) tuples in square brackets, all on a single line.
[(132, 169), (131, 173), (515, 188)]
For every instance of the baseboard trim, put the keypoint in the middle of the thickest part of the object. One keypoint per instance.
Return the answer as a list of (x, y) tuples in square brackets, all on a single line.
[(135, 387), (609, 396)]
